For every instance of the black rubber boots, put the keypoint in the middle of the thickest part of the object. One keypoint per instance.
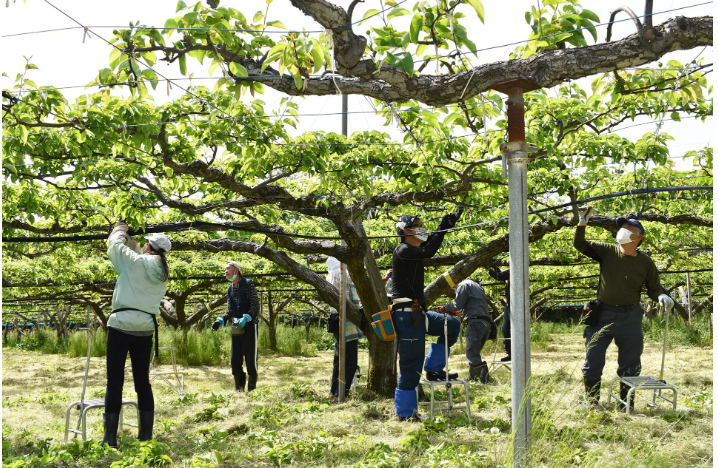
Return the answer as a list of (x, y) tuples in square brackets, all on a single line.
[(111, 420), (593, 391)]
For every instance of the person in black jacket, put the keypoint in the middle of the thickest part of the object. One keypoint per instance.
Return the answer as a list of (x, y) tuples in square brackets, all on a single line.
[(499, 275), (243, 316), (411, 319)]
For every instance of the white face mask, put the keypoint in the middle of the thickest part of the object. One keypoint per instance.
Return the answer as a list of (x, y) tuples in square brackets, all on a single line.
[(231, 280), (624, 236), (421, 234)]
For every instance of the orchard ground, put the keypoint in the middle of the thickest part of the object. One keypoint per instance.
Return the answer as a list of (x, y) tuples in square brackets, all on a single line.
[(290, 420)]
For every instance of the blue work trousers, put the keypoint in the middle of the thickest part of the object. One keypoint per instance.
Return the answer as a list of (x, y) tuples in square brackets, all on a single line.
[(625, 329), (412, 343)]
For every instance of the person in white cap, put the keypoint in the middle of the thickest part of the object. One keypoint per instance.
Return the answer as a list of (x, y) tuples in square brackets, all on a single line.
[(141, 284), (243, 316)]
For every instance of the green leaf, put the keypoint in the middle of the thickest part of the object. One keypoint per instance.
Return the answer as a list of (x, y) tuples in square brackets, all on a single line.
[(183, 64), (417, 22), (151, 76), (398, 12), (588, 14), (24, 132), (407, 63), (318, 58), (170, 23), (169, 171), (369, 13), (258, 17), (115, 55), (277, 24), (298, 81), (181, 6), (238, 70), (479, 7), (213, 66)]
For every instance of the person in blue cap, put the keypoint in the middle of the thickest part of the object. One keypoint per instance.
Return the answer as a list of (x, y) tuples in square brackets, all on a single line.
[(412, 321), (243, 315), (624, 270)]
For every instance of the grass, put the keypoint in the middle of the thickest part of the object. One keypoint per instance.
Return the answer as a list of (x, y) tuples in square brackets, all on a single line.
[(290, 420)]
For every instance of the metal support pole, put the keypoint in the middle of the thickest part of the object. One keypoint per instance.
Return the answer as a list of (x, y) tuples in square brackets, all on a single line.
[(342, 293), (342, 333), (688, 292), (515, 154)]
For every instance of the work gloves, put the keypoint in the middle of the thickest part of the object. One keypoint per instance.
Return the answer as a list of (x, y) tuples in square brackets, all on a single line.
[(217, 323), (122, 229), (665, 301), (246, 318), (442, 310), (449, 220), (583, 216)]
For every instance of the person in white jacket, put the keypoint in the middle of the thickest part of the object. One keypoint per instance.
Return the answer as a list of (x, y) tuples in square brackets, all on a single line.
[(141, 284)]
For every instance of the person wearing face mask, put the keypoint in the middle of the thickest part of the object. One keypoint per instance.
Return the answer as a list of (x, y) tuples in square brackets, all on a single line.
[(412, 321), (243, 316), (624, 270)]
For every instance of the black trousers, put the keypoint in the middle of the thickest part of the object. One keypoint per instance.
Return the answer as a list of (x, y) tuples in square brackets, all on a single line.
[(352, 357), (244, 349), (140, 350), (506, 329)]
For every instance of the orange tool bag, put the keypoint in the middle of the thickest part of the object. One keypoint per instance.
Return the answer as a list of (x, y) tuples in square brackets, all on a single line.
[(383, 325)]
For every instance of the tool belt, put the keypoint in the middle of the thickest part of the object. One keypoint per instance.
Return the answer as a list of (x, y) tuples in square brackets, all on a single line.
[(154, 319), (620, 309)]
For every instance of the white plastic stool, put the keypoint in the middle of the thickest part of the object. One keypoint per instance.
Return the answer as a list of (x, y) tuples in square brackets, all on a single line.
[(178, 386), (435, 404)]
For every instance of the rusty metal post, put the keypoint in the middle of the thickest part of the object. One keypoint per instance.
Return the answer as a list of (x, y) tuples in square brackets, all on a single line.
[(515, 153)]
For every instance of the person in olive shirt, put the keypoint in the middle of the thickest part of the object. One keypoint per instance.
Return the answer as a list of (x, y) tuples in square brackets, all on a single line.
[(624, 271)]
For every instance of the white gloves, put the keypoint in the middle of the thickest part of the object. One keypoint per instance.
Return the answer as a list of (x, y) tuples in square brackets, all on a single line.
[(583, 216), (665, 301), (132, 244)]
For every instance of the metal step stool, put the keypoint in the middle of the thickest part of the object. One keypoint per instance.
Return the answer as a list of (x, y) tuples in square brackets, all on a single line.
[(642, 383), (178, 385), (496, 363), (647, 383), (435, 404), (85, 405)]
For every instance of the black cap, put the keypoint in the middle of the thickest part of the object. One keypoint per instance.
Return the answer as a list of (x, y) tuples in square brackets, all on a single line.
[(633, 222), (405, 221)]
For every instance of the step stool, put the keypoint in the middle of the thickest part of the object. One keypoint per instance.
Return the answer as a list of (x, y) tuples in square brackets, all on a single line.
[(83, 405), (497, 363), (435, 404), (642, 383), (86, 405), (178, 385)]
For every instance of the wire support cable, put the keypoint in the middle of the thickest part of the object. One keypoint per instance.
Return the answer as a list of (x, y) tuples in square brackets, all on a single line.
[(195, 224)]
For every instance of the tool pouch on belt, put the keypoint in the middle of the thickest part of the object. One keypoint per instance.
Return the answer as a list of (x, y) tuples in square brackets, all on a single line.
[(591, 313), (417, 314), (383, 325), (236, 330)]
